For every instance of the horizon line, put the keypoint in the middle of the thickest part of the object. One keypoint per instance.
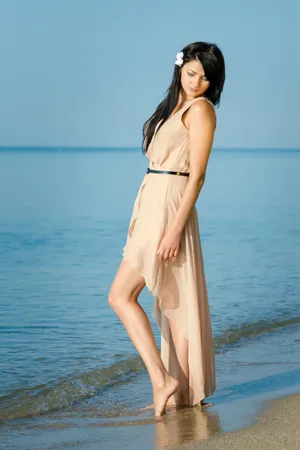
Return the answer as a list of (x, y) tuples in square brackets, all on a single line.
[(55, 147)]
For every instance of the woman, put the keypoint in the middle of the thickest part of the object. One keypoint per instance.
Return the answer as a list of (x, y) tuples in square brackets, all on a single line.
[(163, 249)]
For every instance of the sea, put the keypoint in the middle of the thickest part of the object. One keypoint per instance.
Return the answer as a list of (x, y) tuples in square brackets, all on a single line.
[(66, 361)]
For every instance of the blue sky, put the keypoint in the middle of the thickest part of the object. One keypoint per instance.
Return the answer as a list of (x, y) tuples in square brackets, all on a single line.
[(87, 72)]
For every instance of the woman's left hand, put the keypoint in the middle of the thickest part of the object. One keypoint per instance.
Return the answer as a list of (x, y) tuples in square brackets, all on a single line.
[(169, 245)]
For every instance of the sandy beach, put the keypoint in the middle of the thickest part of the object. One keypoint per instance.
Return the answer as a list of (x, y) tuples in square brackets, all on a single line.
[(276, 428)]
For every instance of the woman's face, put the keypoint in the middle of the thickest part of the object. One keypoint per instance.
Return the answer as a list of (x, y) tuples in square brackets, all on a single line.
[(193, 79)]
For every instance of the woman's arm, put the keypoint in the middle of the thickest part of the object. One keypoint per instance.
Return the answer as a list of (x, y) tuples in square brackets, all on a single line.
[(201, 132), (201, 122)]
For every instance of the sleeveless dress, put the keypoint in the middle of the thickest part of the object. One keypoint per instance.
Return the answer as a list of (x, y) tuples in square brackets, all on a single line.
[(179, 286)]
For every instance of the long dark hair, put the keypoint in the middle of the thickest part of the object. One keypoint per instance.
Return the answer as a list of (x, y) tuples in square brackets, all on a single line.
[(212, 60)]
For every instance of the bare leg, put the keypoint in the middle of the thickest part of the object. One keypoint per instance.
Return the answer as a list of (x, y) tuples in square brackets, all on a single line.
[(182, 373), (123, 298), (181, 397)]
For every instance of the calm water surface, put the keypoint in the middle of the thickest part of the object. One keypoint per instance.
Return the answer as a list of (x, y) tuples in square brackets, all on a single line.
[(63, 223)]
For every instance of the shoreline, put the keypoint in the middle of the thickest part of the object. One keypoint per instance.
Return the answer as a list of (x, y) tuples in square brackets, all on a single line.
[(276, 427), (251, 376)]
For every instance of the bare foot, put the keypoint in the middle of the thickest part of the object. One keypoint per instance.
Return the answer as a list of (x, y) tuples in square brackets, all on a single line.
[(205, 404), (162, 395), (171, 403)]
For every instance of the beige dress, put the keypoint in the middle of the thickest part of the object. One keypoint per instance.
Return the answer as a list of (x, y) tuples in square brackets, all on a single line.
[(178, 287)]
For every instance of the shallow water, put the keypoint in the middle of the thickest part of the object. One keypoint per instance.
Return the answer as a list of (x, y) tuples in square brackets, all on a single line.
[(63, 223)]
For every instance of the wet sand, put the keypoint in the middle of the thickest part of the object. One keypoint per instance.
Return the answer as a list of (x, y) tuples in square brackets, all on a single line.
[(278, 427)]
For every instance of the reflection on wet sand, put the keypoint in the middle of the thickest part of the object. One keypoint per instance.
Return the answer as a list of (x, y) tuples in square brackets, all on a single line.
[(186, 426)]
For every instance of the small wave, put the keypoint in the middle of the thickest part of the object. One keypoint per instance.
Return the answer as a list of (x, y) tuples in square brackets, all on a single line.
[(235, 335), (63, 393), (57, 395)]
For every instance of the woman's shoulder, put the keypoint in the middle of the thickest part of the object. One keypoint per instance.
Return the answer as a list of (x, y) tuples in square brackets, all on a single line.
[(203, 104), (203, 108)]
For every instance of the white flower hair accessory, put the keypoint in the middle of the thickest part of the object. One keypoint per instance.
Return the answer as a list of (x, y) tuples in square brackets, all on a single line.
[(179, 59)]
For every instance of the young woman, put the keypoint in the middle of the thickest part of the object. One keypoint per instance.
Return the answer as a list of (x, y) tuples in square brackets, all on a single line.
[(163, 249)]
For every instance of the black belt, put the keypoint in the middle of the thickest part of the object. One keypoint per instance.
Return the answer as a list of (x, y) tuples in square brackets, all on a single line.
[(171, 172)]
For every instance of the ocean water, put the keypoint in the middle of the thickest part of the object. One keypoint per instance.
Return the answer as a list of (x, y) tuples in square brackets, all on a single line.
[(64, 215)]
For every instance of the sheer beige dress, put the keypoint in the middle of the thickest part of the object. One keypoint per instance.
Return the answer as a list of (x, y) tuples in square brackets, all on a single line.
[(179, 286)]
